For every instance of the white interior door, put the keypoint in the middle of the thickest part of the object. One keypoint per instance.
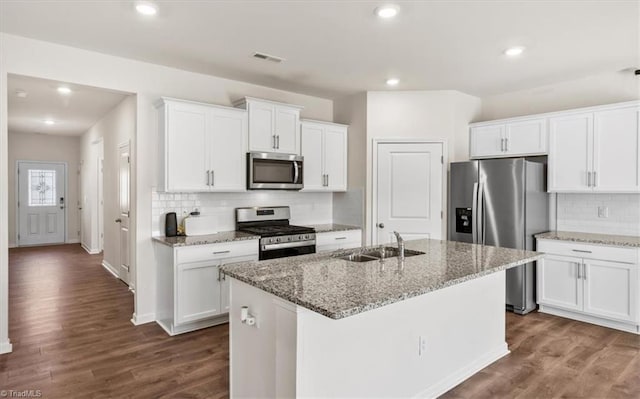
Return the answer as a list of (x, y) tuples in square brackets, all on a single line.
[(124, 184), (408, 191), (41, 203)]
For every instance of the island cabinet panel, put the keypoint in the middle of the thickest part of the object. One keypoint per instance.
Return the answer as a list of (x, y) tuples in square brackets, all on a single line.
[(292, 351), (335, 240), (192, 293), (203, 147), (599, 284)]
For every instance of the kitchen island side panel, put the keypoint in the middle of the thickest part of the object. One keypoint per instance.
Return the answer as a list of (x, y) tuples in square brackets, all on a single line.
[(422, 346)]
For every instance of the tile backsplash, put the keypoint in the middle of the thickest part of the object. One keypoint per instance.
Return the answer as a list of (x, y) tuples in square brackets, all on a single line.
[(579, 212), (306, 208)]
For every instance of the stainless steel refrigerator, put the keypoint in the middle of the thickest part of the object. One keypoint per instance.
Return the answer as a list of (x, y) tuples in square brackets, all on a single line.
[(501, 202)]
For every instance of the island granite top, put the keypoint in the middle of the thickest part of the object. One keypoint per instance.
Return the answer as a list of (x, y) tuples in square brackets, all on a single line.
[(339, 288), (590, 238), (331, 227), (223, 236)]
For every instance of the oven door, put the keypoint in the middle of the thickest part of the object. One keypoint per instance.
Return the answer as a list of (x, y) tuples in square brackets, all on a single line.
[(269, 171), (285, 250)]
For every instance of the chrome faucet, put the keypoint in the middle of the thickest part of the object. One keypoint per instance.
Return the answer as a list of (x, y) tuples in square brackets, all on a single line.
[(400, 245)]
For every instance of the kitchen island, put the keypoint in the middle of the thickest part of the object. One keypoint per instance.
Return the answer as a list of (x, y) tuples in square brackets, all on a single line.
[(324, 326)]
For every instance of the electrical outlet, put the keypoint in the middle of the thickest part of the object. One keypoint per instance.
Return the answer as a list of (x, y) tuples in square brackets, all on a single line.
[(422, 345), (603, 211)]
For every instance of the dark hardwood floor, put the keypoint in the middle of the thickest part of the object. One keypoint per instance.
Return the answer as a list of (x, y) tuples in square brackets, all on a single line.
[(72, 338)]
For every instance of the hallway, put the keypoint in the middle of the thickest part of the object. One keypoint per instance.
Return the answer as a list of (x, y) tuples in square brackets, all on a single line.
[(69, 322)]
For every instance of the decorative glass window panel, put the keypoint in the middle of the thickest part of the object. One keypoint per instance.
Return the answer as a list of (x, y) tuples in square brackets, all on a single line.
[(42, 187)]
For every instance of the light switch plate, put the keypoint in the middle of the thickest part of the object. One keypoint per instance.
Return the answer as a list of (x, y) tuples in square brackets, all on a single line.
[(603, 211)]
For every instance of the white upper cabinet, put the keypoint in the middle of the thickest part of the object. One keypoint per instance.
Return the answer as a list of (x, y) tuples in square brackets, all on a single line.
[(616, 145), (570, 160), (273, 127), (203, 147), (509, 139), (324, 148), (596, 151)]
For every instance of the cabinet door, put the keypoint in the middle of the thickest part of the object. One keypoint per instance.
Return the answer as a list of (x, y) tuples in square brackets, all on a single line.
[(187, 159), (616, 150), (228, 148), (611, 289), (487, 141), (526, 137), (558, 282), (286, 129), (335, 158), (570, 152), (261, 126), (197, 292), (312, 151)]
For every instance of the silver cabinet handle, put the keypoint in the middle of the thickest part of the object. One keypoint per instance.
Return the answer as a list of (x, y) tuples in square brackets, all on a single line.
[(118, 220), (221, 252), (341, 238), (213, 179), (327, 180), (273, 139), (278, 142), (506, 144), (579, 266), (595, 179), (208, 178), (589, 179), (381, 225), (502, 144), (584, 251)]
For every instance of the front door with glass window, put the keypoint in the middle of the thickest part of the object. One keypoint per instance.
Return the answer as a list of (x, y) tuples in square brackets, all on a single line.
[(41, 203)]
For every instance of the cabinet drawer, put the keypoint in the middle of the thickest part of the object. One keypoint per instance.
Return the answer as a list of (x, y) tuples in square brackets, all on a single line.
[(223, 250), (588, 251), (341, 239)]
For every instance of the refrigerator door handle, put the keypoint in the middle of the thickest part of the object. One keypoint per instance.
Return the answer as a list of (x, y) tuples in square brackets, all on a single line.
[(480, 213), (474, 214)]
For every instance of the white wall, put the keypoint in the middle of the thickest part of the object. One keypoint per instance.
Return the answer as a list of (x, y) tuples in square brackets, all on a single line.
[(57, 62), (116, 127), (437, 115), (605, 88), (41, 147), (579, 212)]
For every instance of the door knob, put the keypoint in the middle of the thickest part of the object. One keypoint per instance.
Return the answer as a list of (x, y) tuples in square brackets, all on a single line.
[(381, 225), (118, 220)]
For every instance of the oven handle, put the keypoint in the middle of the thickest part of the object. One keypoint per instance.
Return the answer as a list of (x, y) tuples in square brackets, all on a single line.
[(271, 247), (296, 171)]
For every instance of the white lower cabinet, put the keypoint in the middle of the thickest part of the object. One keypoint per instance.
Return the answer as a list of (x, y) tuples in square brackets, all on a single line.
[(587, 287), (192, 292), (335, 240)]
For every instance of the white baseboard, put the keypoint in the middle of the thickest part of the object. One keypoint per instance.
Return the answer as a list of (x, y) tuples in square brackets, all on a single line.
[(90, 251), (617, 325), (6, 347), (110, 268), (12, 245), (464, 373), (73, 241), (143, 319)]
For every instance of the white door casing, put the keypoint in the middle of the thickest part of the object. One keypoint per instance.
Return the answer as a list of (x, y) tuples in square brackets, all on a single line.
[(408, 190), (41, 202), (124, 202)]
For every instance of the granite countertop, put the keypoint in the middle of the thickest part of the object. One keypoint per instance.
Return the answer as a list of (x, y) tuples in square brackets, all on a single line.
[(223, 236), (338, 288), (590, 238), (331, 227)]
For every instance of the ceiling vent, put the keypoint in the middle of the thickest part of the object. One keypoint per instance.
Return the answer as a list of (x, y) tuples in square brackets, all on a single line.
[(268, 57)]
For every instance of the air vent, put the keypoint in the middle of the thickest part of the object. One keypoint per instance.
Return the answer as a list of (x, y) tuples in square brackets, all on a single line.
[(268, 57)]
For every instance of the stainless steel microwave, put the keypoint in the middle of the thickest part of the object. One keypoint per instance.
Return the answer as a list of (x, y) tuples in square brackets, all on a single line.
[(272, 171)]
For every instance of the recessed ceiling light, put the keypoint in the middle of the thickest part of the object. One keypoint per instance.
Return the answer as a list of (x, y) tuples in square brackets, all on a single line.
[(49, 122), (387, 11), (393, 81), (146, 8), (64, 90), (514, 51)]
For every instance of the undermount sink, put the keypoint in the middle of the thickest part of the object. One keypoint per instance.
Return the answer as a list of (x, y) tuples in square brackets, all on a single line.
[(379, 253)]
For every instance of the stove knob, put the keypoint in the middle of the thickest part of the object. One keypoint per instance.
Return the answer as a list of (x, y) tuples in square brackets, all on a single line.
[(307, 237), (277, 239), (289, 238), (301, 237)]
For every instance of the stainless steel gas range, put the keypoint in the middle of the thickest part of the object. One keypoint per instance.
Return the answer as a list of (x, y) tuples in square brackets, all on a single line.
[(278, 238)]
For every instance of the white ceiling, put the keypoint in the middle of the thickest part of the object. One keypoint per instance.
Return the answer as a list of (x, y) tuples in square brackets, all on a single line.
[(73, 114), (336, 47)]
